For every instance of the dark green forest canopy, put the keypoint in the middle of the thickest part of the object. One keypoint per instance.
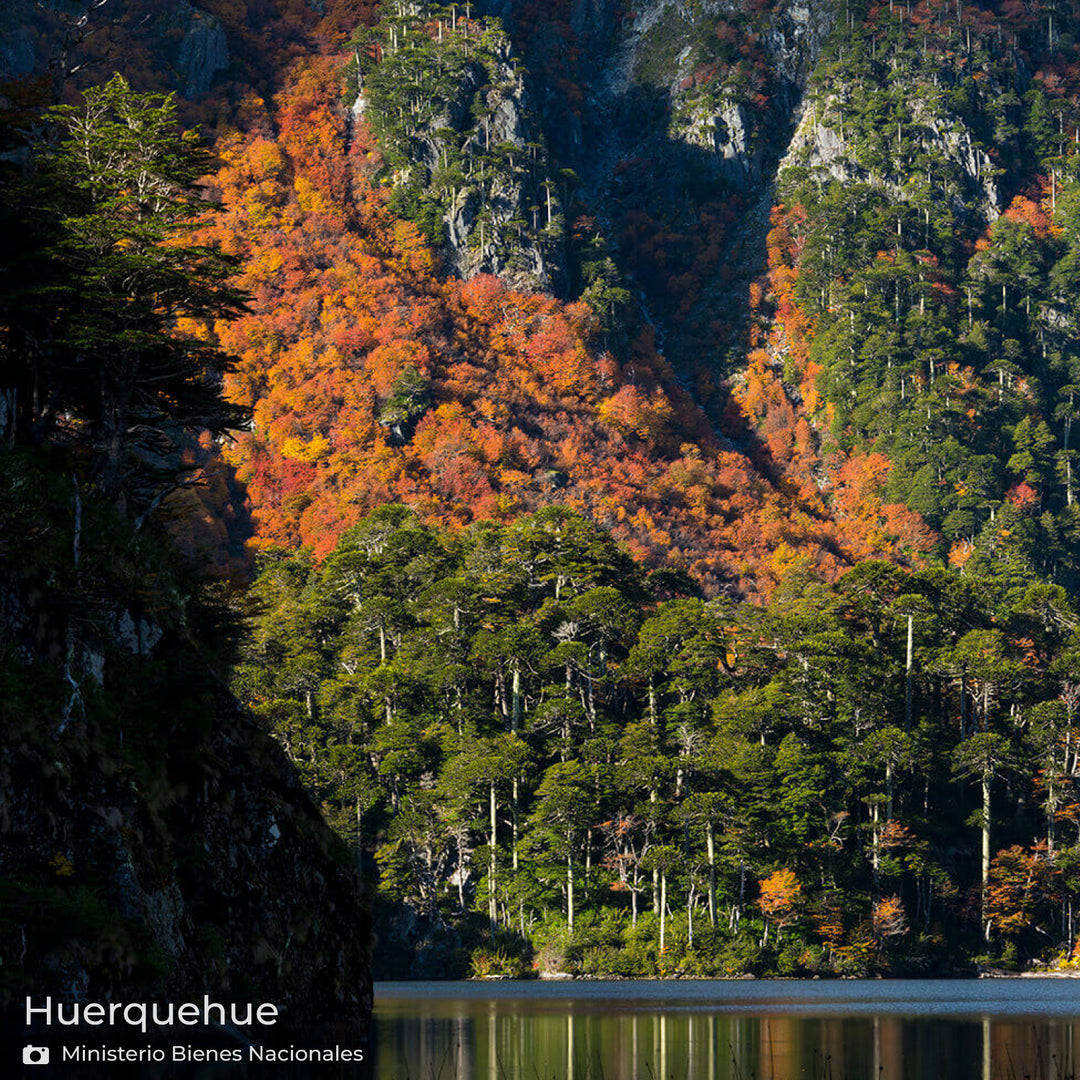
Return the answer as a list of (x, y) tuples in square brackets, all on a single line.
[(99, 276), (536, 740)]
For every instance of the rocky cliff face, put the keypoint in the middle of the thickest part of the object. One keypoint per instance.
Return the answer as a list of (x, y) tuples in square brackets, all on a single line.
[(203, 50), (706, 91), (829, 127), (689, 110), (593, 21), (152, 839), (730, 93), (510, 229), (469, 162), (185, 44)]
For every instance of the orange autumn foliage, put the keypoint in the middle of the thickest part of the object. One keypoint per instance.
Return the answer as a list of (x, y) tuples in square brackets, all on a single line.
[(781, 893), (846, 490), (522, 408), (889, 918)]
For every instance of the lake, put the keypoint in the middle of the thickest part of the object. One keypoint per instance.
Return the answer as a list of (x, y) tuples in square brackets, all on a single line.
[(740, 1030)]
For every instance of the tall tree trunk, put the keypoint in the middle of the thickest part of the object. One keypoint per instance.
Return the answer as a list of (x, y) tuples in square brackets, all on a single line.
[(1051, 807), (460, 841), (710, 843), (1068, 463), (514, 826), (515, 695), (663, 909), (588, 860), (985, 846), (569, 889), (909, 676), (875, 852), (655, 873), (500, 694), (492, 908)]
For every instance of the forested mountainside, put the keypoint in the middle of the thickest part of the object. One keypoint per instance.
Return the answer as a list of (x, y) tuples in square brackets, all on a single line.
[(560, 762), (659, 476)]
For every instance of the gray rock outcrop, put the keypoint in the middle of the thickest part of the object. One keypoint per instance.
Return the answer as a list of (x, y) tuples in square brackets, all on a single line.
[(963, 171), (203, 52), (185, 42), (502, 210), (737, 135)]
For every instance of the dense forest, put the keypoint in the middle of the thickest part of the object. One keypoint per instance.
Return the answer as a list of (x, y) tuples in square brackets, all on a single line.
[(626, 459), (557, 759)]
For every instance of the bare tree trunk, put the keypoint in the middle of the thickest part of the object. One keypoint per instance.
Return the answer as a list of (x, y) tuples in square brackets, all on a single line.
[(514, 826), (710, 842), (588, 861), (569, 892), (492, 906), (909, 677), (1068, 463), (875, 852), (663, 910), (985, 847), (515, 693)]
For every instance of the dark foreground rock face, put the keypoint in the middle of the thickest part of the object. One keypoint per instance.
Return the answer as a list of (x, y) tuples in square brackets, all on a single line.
[(155, 845), (215, 876)]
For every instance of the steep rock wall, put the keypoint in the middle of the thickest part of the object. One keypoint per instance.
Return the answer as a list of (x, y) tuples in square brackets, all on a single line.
[(186, 44), (822, 145), (468, 151), (710, 104), (152, 839)]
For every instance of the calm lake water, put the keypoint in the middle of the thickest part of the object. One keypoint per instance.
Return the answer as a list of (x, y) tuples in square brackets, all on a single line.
[(765, 1030)]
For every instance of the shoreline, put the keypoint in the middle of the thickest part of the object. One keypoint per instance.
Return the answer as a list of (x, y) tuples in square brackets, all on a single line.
[(566, 977)]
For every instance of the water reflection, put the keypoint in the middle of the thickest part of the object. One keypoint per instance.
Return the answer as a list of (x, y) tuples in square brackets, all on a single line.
[(648, 1032)]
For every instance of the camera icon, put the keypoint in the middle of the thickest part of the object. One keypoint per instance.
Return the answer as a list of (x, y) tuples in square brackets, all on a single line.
[(35, 1055)]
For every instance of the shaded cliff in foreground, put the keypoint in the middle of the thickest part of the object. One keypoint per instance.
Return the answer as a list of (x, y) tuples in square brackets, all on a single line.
[(152, 840)]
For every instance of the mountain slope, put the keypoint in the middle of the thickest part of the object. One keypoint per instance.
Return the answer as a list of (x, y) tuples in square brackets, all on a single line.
[(633, 166), (372, 378), (817, 334), (921, 272)]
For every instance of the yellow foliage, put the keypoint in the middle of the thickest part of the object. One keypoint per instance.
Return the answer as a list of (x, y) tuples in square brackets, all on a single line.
[(265, 265), (309, 198), (310, 450), (62, 865)]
